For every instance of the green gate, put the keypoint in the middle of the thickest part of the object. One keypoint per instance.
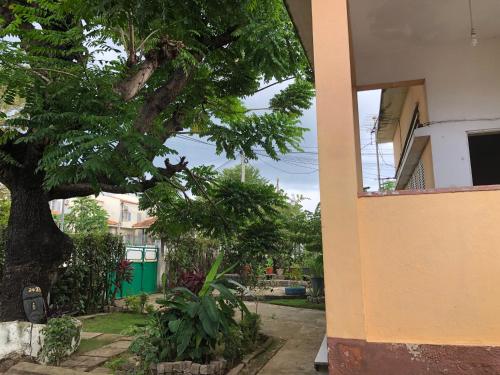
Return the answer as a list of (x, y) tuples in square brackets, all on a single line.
[(144, 264)]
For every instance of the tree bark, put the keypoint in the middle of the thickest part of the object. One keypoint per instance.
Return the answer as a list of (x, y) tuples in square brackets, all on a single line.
[(35, 246)]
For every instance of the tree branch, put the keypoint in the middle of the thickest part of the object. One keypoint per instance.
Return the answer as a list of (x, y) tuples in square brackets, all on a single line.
[(166, 50), (83, 189), (160, 99)]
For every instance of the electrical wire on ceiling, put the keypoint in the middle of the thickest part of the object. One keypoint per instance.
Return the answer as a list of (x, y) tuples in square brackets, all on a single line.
[(473, 32)]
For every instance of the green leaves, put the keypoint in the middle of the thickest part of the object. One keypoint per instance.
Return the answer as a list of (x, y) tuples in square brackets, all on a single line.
[(59, 79), (212, 274), (86, 216)]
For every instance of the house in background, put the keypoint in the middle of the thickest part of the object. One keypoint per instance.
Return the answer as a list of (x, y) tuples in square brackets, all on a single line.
[(124, 217), (412, 276), (438, 153)]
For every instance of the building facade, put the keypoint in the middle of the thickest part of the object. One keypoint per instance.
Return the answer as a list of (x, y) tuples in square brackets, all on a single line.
[(125, 218), (411, 276)]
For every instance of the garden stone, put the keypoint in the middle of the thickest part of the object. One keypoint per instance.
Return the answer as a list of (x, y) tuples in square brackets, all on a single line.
[(216, 367), (195, 368), (204, 370), (160, 368), (178, 368), (186, 367)]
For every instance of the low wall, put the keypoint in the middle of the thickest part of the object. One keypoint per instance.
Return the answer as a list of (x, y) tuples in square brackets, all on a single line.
[(24, 338), (431, 267)]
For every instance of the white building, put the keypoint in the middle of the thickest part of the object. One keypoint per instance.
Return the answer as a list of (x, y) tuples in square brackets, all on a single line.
[(124, 216)]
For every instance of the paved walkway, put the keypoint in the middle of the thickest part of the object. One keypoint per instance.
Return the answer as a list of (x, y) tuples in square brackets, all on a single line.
[(304, 331)]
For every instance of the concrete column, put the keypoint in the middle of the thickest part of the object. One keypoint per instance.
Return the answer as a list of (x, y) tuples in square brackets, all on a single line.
[(340, 173)]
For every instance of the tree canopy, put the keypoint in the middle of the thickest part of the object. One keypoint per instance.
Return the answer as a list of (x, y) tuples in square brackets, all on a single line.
[(86, 216), (106, 84)]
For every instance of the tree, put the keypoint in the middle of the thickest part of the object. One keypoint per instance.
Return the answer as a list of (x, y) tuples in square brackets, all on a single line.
[(252, 174), (87, 216), (99, 89), (313, 240)]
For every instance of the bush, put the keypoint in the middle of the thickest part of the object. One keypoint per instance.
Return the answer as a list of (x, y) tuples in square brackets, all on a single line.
[(86, 280), (233, 345), (61, 338), (192, 326), (138, 304), (250, 328)]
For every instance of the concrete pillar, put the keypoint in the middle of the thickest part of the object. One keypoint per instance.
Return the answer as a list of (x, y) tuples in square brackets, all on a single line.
[(340, 172)]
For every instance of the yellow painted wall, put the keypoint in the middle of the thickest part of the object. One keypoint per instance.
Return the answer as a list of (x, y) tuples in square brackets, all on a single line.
[(416, 96), (431, 267), (340, 178)]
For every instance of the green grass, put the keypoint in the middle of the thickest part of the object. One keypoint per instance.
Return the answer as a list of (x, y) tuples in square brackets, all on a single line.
[(300, 303), (114, 322)]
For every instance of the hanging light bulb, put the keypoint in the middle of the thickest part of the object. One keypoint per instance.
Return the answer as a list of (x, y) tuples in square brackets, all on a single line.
[(474, 36)]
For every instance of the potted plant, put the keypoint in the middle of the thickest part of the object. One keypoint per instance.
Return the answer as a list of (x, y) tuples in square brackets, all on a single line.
[(269, 267), (315, 264)]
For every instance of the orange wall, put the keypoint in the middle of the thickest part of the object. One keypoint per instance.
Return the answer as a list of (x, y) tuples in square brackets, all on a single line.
[(416, 96), (431, 267), (340, 178)]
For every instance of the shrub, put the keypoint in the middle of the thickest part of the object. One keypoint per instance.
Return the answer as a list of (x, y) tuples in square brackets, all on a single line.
[(132, 303), (192, 281), (61, 337), (191, 326), (86, 280), (233, 345), (250, 328)]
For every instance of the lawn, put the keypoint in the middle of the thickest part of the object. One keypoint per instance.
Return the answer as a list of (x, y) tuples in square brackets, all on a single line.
[(300, 303), (114, 322)]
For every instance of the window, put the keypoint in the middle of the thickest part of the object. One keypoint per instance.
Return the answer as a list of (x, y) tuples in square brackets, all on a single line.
[(417, 179), (126, 215), (484, 152)]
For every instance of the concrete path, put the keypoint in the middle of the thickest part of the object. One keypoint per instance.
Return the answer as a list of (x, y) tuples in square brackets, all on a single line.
[(304, 331)]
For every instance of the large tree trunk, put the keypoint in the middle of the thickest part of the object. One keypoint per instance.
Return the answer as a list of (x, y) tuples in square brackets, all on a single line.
[(35, 246)]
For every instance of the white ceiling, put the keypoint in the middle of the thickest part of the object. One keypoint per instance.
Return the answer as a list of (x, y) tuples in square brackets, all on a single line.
[(397, 23)]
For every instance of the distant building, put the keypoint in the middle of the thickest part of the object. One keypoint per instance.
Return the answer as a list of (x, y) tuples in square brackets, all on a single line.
[(124, 216)]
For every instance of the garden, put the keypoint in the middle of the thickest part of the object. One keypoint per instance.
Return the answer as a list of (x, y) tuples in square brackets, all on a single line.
[(257, 241)]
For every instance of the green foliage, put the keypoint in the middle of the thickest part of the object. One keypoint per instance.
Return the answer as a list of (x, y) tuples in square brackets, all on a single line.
[(191, 327), (86, 280), (67, 80), (138, 304), (86, 216), (250, 327), (312, 232), (252, 175), (4, 218), (233, 346), (61, 335), (388, 185), (314, 262)]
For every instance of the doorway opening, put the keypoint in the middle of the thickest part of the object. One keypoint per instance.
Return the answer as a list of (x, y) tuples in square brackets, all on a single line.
[(485, 158)]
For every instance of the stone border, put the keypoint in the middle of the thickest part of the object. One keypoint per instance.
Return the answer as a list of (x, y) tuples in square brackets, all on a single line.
[(188, 367), (214, 368)]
